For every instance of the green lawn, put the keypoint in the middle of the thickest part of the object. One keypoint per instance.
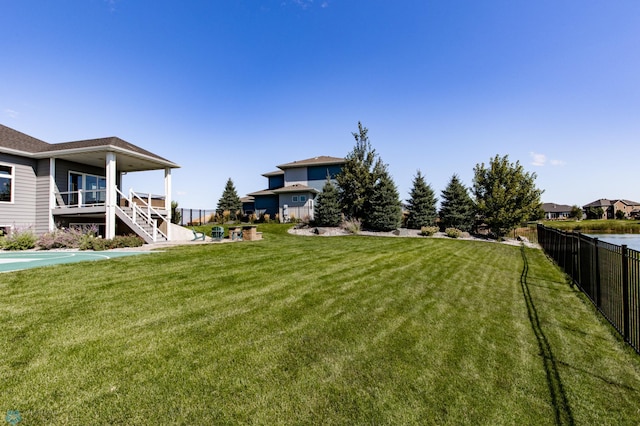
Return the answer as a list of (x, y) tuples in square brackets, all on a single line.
[(312, 330)]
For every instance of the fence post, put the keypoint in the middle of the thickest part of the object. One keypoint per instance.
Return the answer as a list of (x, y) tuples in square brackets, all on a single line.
[(578, 279), (596, 261), (625, 292)]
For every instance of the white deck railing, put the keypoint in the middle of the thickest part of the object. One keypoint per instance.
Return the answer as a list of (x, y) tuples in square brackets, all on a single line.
[(81, 198), (143, 214)]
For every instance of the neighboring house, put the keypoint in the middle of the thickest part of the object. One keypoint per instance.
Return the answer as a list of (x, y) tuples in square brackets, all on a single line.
[(248, 205), (609, 208), (293, 188), (631, 209), (554, 211), (46, 186)]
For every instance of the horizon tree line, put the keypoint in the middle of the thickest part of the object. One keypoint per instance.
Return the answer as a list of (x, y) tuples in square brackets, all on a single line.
[(503, 195)]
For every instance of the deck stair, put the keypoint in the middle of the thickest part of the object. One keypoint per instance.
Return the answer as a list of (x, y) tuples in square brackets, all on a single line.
[(143, 219)]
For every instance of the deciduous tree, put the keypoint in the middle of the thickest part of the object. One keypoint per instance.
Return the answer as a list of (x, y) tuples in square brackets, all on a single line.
[(505, 194)]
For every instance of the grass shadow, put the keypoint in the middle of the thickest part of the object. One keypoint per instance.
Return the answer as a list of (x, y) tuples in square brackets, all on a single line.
[(562, 410)]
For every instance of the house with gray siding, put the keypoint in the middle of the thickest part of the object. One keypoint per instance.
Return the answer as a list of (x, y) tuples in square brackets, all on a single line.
[(46, 186), (292, 189)]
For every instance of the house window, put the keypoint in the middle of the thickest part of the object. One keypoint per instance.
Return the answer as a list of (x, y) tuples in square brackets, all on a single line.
[(6, 183), (87, 189), (303, 198), (294, 198)]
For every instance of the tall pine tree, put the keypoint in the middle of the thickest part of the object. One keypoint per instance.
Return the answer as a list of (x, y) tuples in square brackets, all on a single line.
[(384, 210), (327, 208), (229, 200), (421, 205), (457, 209), (358, 176)]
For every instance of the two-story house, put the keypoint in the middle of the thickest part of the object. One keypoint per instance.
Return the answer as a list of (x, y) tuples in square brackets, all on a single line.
[(631, 209), (45, 186), (292, 188)]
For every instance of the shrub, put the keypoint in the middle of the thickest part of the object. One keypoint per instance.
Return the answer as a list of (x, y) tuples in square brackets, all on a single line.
[(121, 241), (67, 237), (453, 232), (352, 225), (428, 231), (84, 238), (19, 240)]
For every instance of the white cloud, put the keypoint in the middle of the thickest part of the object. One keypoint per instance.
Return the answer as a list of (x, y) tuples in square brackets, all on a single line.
[(538, 159), (11, 113)]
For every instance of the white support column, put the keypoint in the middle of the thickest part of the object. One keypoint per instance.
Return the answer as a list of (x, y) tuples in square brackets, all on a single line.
[(52, 193), (167, 199), (111, 197)]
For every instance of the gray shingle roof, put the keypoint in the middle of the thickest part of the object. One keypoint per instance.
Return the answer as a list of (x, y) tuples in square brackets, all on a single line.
[(295, 188), (322, 160), (18, 141), (555, 208), (603, 202), (102, 142)]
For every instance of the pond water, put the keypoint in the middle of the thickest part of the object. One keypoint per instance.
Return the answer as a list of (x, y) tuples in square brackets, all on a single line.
[(631, 240)]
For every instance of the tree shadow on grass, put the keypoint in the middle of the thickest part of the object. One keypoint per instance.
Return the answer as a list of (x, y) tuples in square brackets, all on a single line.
[(559, 400)]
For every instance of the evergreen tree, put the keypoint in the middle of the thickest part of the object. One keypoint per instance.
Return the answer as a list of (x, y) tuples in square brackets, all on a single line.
[(384, 210), (358, 176), (327, 208), (229, 200), (422, 204), (505, 194), (457, 209), (176, 213)]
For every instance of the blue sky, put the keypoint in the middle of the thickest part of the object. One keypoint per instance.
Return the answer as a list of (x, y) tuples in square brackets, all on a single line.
[(232, 88)]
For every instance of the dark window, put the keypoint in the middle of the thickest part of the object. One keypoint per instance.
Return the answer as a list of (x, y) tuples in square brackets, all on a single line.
[(6, 183)]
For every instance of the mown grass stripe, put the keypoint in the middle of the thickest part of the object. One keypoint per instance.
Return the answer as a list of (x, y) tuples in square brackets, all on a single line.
[(346, 330)]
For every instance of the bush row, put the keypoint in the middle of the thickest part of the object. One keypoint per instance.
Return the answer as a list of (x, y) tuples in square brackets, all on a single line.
[(74, 238)]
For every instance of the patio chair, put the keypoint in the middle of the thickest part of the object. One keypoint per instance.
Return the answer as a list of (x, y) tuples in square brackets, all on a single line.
[(217, 233), (197, 235)]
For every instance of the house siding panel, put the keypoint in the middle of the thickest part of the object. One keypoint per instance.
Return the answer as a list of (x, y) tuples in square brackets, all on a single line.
[(21, 213), (295, 176), (267, 204), (43, 211), (276, 182), (320, 172)]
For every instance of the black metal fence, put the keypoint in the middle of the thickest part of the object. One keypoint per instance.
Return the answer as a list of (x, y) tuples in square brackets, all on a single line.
[(608, 274), (190, 217)]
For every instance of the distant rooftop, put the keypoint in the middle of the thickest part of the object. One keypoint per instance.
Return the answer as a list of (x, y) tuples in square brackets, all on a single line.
[(315, 161)]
